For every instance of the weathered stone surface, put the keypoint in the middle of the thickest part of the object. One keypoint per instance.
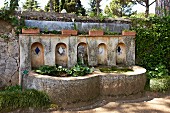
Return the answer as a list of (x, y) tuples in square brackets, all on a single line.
[(71, 92), (50, 43), (81, 26), (9, 62), (5, 27)]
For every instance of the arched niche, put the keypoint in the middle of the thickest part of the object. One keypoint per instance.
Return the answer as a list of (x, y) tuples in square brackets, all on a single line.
[(82, 55), (121, 54), (37, 55), (61, 57), (102, 54)]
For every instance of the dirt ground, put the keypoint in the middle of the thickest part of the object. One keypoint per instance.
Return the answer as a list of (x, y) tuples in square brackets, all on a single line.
[(149, 102)]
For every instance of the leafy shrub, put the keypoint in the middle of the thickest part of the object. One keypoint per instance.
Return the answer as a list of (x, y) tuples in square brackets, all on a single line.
[(160, 84), (51, 70), (13, 98), (13, 88), (158, 72), (111, 33), (77, 70), (4, 36), (152, 45)]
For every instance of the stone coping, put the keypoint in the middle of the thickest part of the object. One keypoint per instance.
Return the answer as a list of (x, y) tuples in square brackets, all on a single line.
[(73, 92), (71, 35), (54, 16), (136, 71)]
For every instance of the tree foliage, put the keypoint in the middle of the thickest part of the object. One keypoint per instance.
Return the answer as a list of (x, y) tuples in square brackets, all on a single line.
[(121, 7), (107, 10), (146, 4), (55, 6), (32, 5), (7, 12), (152, 44), (70, 6), (8, 9), (74, 6), (62, 2), (95, 6)]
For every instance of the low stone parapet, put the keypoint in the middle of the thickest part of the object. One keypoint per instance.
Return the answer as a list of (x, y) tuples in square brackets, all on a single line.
[(72, 92)]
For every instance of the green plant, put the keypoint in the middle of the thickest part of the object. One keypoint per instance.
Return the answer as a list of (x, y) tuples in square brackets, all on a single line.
[(52, 70), (13, 98), (101, 17), (13, 88), (126, 30), (29, 27), (152, 44), (8, 10), (79, 70), (4, 36), (83, 33), (92, 14), (159, 71), (75, 26), (115, 69), (55, 32), (95, 29), (108, 32), (160, 84), (7, 13), (47, 70)]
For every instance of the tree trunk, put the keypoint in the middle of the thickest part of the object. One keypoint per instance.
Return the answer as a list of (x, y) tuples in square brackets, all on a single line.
[(51, 5), (147, 9), (162, 7), (97, 7)]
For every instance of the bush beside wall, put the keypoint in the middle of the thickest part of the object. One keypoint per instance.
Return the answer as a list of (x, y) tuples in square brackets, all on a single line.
[(13, 98), (153, 44), (160, 84)]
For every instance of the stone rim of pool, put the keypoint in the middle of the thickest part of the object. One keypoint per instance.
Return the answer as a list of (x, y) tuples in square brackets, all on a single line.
[(74, 92)]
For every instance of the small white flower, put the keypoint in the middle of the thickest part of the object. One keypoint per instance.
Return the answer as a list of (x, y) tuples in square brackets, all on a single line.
[(59, 66)]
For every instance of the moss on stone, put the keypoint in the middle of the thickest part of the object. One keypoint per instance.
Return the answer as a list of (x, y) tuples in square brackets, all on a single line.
[(115, 69)]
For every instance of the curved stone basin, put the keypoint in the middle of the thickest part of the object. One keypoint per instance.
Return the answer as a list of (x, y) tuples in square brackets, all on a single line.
[(81, 91)]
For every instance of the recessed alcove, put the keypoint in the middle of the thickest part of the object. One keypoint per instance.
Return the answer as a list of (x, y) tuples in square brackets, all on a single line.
[(61, 54), (37, 55), (67, 51), (121, 54), (102, 54), (82, 54)]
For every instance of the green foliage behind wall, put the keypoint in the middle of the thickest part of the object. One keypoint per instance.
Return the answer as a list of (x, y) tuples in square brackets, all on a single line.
[(153, 43)]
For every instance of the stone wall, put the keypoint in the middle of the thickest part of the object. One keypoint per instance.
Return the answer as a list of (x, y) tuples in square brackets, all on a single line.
[(49, 47), (81, 26), (9, 55), (57, 21), (73, 92), (5, 27), (9, 61)]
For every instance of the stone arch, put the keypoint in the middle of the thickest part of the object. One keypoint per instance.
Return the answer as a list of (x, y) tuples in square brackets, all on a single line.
[(37, 55), (121, 54), (61, 57), (82, 54), (102, 54)]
